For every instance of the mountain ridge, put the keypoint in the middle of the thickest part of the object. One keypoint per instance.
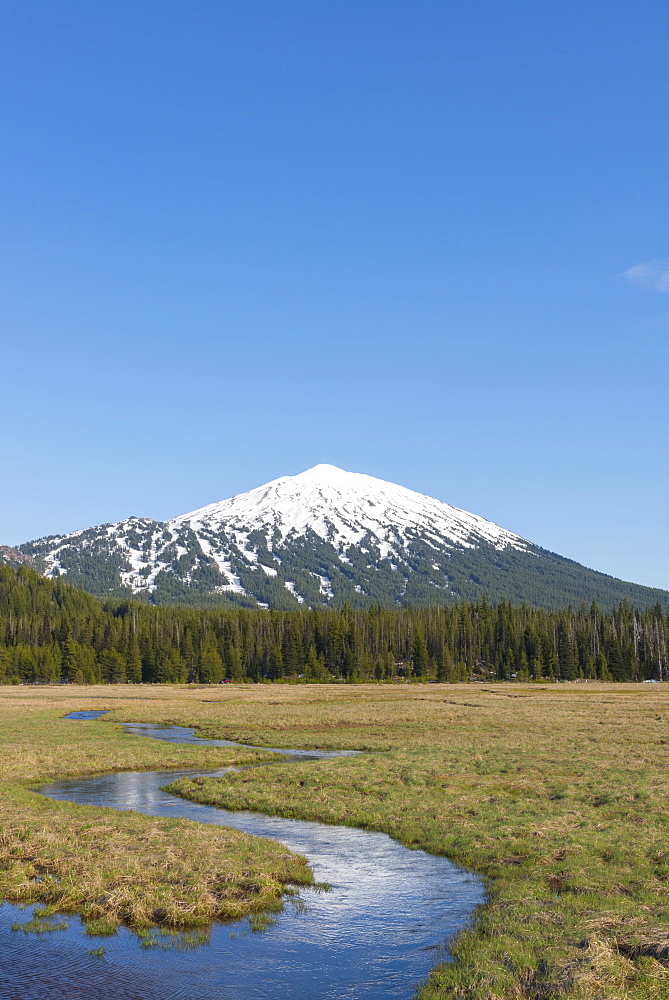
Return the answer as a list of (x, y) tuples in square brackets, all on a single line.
[(324, 537)]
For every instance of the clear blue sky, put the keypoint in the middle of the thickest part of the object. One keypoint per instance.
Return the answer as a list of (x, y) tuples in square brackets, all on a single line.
[(423, 239)]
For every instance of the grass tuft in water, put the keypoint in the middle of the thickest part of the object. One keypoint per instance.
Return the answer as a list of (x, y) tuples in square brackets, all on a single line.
[(102, 927), (169, 940), (43, 921), (260, 922)]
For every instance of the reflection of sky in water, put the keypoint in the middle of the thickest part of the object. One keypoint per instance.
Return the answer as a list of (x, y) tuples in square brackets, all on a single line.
[(374, 937), (186, 734)]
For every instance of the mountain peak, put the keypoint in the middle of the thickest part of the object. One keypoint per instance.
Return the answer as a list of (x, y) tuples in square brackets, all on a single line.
[(322, 471), (327, 475), (322, 474)]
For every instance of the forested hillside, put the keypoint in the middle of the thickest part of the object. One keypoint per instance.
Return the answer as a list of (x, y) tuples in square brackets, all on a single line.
[(50, 631)]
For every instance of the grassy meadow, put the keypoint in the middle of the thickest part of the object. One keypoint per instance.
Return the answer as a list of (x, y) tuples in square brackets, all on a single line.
[(555, 794)]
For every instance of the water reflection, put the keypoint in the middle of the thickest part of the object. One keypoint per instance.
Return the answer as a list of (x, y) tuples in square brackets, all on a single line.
[(373, 937), (86, 716), (186, 734)]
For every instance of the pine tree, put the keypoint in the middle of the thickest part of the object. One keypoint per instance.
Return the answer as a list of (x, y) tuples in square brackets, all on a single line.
[(275, 666), (47, 663), (419, 656), (133, 660), (170, 667), (112, 666), (210, 664), (314, 668), (235, 667), (444, 664), (523, 667), (602, 667), (348, 666)]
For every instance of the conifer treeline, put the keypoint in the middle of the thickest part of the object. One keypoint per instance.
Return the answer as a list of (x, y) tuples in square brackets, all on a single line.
[(49, 631)]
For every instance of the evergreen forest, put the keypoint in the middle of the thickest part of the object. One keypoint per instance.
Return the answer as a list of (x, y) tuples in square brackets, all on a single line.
[(51, 632)]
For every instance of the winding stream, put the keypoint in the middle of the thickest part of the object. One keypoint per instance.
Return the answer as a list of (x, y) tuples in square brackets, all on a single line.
[(373, 937)]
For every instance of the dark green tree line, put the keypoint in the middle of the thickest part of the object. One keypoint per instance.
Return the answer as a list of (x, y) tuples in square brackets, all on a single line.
[(50, 631)]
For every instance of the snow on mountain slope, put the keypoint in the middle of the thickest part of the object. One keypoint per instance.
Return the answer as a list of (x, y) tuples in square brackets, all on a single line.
[(343, 508), (319, 537)]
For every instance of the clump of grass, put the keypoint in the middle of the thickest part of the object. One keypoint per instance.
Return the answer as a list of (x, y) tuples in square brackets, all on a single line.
[(168, 939), (127, 868), (103, 927), (43, 921), (261, 922)]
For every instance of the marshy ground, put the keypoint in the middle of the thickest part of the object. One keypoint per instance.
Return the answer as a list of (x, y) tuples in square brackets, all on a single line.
[(555, 794), (115, 866)]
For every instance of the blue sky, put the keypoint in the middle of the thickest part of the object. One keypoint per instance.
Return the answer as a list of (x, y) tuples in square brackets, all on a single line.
[(424, 240)]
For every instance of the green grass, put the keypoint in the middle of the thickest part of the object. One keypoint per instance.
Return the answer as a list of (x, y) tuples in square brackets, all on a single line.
[(112, 866)]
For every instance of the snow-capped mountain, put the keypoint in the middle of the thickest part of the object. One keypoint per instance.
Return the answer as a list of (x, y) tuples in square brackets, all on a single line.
[(322, 537), (344, 508)]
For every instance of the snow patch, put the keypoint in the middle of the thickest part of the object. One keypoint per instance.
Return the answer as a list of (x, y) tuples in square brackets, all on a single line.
[(289, 585), (325, 585)]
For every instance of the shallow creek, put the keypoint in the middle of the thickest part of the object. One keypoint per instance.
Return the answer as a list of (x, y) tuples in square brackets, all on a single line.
[(374, 936)]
